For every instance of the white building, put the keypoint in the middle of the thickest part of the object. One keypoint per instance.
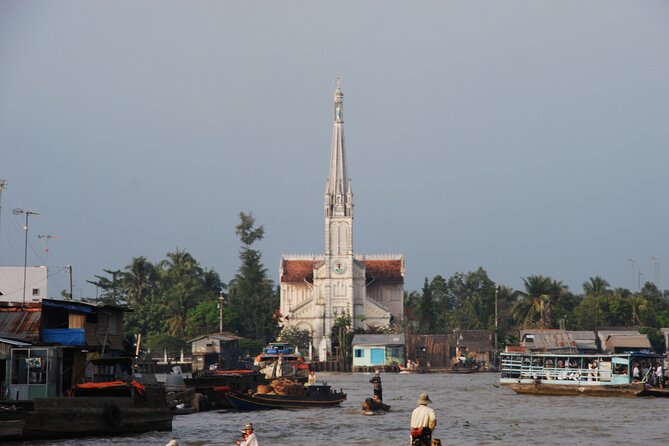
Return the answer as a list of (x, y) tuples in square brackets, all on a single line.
[(316, 289), (12, 284)]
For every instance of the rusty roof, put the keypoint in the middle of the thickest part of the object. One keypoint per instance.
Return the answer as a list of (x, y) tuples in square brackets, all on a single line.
[(21, 324)]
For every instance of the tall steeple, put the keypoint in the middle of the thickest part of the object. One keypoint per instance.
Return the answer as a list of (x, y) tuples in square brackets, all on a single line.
[(338, 192)]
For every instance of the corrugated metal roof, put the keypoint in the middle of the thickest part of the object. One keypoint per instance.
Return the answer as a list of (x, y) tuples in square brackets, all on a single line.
[(474, 340), (378, 339), (20, 324), (627, 341), (13, 342), (217, 336)]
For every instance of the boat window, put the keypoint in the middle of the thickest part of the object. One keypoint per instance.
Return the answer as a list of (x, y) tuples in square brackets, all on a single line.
[(359, 353)]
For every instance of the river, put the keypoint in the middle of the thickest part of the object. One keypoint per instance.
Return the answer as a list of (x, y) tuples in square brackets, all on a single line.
[(471, 410)]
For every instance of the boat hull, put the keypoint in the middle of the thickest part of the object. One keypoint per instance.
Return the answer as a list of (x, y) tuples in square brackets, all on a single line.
[(53, 417), (576, 389), (266, 402)]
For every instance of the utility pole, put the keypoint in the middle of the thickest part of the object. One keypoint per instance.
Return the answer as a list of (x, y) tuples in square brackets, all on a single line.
[(69, 267), (496, 293), (3, 185), (27, 213)]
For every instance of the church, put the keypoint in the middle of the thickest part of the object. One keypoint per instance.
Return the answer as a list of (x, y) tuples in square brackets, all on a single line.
[(317, 289)]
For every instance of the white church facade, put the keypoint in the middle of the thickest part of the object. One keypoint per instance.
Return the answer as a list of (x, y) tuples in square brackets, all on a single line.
[(317, 289)]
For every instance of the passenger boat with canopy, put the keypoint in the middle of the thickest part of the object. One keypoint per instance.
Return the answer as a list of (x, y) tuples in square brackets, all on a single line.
[(581, 374)]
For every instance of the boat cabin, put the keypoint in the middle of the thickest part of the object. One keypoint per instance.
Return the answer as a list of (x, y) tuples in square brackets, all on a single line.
[(576, 369)]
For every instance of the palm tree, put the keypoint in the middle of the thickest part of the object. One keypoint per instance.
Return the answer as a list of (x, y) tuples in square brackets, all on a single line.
[(532, 307), (139, 280), (596, 286)]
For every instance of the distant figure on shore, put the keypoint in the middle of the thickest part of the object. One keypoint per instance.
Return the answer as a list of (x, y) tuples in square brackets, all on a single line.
[(376, 381)]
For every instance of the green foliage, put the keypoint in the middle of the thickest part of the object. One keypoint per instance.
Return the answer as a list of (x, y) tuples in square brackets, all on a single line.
[(342, 335), (203, 319), (252, 294), (158, 343), (297, 337)]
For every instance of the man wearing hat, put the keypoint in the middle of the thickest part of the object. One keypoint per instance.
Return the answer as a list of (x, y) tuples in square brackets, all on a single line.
[(249, 438), (423, 420)]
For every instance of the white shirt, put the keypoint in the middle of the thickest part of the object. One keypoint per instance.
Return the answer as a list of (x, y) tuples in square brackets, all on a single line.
[(250, 440), (423, 416)]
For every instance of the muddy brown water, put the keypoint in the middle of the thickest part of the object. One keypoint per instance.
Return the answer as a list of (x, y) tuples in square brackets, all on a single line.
[(471, 410)]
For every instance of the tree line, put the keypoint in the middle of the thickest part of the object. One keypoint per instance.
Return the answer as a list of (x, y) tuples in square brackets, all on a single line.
[(176, 299), (467, 301)]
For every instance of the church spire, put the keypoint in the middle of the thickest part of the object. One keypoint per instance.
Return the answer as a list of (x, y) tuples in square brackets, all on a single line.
[(338, 193)]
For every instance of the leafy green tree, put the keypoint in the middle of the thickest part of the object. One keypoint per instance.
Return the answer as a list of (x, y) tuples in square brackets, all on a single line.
[(252, 292), (301, 338), (342, 335), (427, 319), (203, 319), (109, 289)]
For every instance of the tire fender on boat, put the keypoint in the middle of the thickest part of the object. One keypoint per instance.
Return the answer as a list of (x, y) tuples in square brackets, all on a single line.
[(112, 414)]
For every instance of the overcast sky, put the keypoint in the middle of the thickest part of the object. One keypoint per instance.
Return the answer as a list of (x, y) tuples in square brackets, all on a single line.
[(525, 137)]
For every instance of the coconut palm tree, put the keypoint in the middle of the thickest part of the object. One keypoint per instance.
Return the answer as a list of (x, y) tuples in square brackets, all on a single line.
[(532, 307)]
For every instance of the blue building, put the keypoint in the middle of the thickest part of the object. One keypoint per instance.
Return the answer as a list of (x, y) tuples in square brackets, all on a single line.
[(378, 351)]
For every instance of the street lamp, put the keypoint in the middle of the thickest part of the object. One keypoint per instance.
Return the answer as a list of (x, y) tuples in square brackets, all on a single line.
[(27, 213), (633, 272), (221, 300)]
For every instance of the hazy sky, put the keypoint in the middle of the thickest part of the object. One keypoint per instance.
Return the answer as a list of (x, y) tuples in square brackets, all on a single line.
[(526, 137)]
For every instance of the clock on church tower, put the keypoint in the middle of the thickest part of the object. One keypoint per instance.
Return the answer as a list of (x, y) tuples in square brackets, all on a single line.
[(338, 266)]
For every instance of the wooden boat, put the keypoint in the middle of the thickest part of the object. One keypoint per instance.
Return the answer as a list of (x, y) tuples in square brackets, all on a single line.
[(11, 429), (319, 395), (92, 409), (576, 374), (215, 384)]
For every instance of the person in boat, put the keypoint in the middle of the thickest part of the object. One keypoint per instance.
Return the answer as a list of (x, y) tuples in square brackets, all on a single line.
[(249, 436), (376, 381), (659, 375), (311, 379), (636, 373), (423, 420)]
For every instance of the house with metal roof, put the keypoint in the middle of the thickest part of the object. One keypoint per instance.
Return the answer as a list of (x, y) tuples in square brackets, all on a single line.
[(378, 351), (52, 345), (215, 351), (473, 345)]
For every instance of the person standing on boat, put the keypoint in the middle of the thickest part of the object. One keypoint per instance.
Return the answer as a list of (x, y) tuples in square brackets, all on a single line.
[(423, 420), (636, 374), (311, 379), (659, 375), (376, 381), (249, 438)]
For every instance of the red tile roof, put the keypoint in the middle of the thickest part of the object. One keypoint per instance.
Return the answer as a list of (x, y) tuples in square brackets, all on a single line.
[(384, 271), (378, 271), (297, 271)]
